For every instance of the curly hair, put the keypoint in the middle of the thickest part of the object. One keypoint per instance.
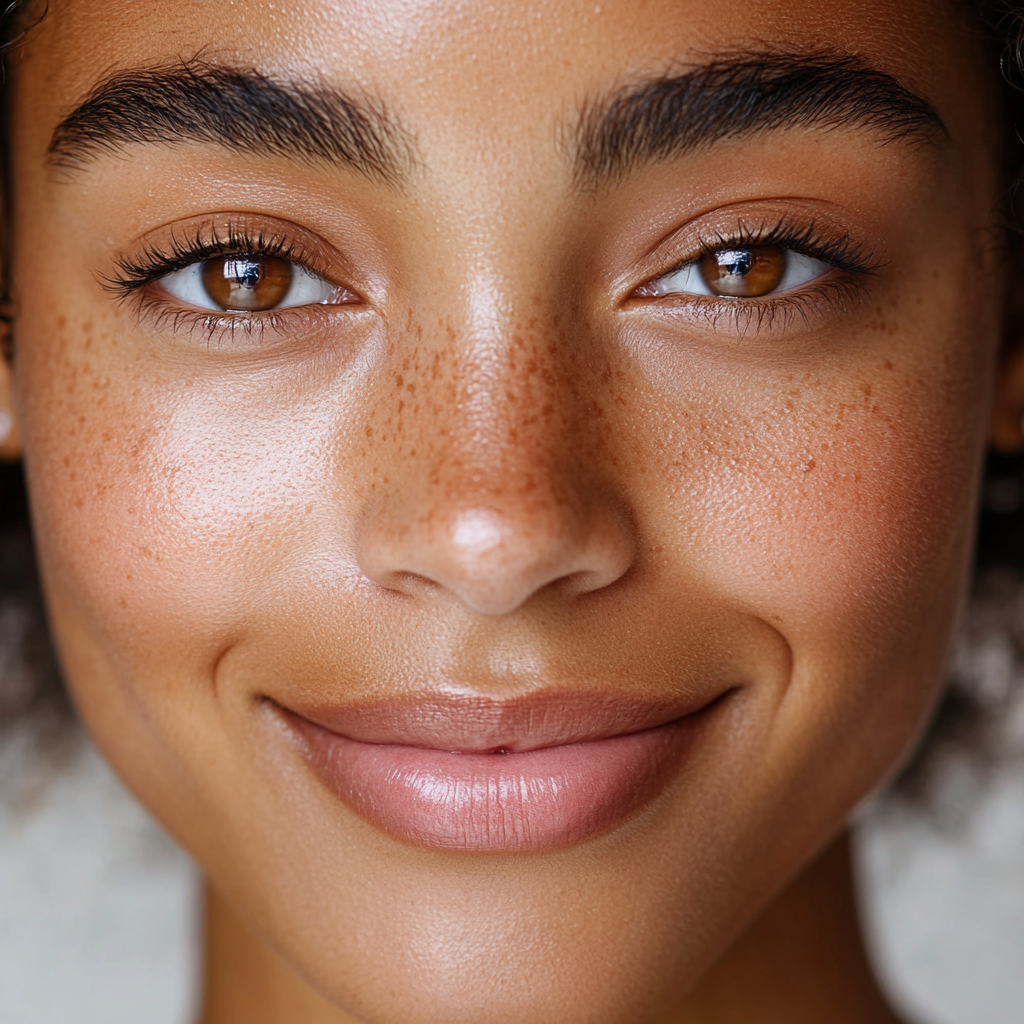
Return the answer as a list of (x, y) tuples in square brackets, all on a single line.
[(987, 669)]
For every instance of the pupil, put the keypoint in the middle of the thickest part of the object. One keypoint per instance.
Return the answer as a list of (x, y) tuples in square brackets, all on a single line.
[(246, 273), (736, 263), (247, 283), (744, 273)]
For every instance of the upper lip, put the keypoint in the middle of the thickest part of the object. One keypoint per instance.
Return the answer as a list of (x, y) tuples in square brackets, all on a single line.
[(473, 723)]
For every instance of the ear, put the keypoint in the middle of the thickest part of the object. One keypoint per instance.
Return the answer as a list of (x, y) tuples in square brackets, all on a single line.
[(10, 436)]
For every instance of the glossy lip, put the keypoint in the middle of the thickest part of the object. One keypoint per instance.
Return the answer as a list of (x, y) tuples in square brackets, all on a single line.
[(464, 772)]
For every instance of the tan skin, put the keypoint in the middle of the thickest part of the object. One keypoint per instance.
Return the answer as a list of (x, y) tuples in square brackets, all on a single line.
[(782, 508)]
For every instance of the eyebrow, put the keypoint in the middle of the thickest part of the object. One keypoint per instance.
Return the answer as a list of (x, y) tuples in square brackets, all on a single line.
[(742, 96), (240, 109)]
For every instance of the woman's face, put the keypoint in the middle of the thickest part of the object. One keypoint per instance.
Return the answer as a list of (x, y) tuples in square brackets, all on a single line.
[(503, 473)]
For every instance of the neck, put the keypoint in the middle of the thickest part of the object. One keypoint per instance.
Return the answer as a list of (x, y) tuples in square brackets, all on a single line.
[(247, 981), (802, 961)]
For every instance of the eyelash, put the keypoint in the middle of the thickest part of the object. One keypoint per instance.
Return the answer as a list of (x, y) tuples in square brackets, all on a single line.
[(135, 274), (852, 259)]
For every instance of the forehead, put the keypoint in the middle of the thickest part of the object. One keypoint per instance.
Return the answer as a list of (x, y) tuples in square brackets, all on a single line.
[(507, 71)]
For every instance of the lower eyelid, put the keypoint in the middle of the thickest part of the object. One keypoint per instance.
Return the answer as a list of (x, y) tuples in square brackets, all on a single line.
[(227, 331)]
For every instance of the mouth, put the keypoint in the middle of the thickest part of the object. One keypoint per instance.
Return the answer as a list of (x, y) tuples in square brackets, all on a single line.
[(462, 772)]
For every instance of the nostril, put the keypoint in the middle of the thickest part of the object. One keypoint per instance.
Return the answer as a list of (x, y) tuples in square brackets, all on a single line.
[(494, 560)]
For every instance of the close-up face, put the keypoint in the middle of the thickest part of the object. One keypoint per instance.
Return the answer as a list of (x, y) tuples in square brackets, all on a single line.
[(503, 475)]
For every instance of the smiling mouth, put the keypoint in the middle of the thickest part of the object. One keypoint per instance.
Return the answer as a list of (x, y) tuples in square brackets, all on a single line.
[(457, 772)]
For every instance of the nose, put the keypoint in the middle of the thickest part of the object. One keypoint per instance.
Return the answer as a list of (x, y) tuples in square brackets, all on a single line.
[(498, 488), (493, 552)]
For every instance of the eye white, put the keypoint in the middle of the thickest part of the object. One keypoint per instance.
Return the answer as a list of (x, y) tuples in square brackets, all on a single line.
[(801, 270), (688, 279), (306, 288)]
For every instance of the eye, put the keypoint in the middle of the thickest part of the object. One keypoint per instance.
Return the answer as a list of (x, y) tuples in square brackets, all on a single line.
[(740, 272), (251, 283)]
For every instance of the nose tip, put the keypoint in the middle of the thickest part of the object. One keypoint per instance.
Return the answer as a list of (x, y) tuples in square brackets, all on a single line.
[(494, 562), (477, 531)]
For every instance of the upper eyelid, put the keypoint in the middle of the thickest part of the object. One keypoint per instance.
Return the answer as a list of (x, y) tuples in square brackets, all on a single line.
[(805, 228), (179, 246), (156, 264), (868, 266)]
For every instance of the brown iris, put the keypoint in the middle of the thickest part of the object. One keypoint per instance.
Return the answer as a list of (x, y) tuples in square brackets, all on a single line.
[(745, 272), (250, 283)]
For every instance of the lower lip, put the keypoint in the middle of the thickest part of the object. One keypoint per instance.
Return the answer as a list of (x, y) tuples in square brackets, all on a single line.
[(525, 800)]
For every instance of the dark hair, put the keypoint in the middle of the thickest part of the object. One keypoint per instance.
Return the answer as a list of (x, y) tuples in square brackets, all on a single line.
[(34, 706), (972, 730)]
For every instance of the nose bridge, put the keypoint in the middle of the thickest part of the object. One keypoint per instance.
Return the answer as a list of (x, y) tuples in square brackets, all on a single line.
[(496, 492), (510, 391), (484, 403)]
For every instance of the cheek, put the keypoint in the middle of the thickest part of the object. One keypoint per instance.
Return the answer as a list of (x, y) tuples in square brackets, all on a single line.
[(846, 507), (159, 504), (832, 501), (835, 506)]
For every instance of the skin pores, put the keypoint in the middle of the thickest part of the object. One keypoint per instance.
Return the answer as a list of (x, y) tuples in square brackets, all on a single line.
[(500, 471)]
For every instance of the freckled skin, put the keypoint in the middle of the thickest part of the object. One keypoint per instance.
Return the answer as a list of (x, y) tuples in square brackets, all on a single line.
[(500, 472)]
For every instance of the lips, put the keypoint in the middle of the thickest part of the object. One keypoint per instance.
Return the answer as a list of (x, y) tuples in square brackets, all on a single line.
[(461, 772)]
